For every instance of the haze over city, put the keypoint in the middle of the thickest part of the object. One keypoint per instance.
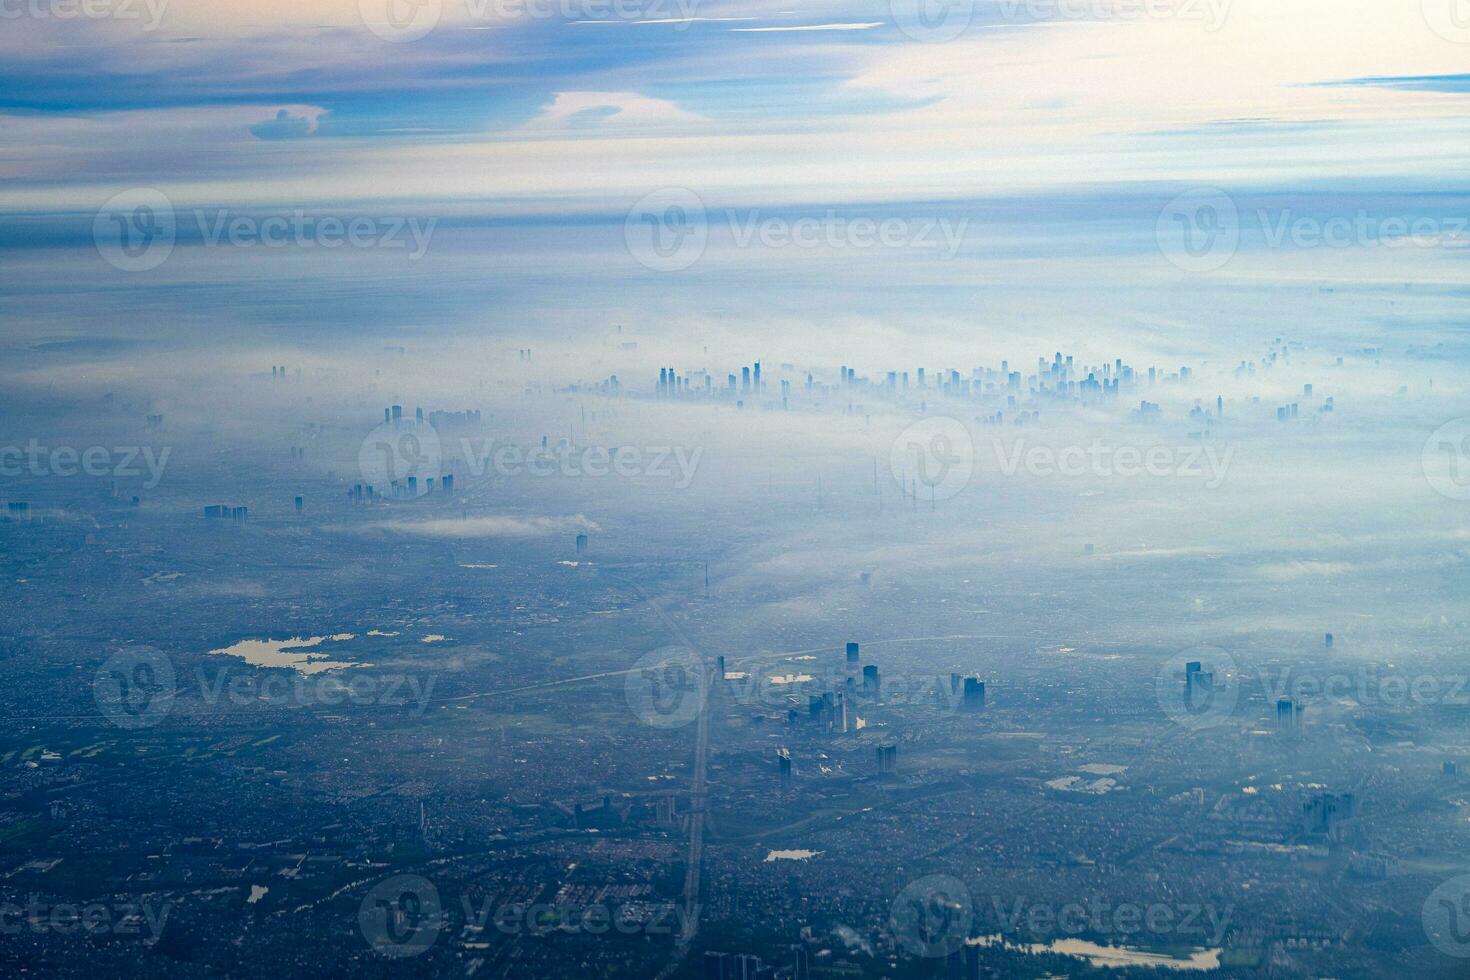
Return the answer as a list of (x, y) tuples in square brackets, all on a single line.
[(734, 490)]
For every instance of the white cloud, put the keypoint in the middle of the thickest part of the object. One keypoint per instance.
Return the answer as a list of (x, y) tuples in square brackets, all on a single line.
[(485, 527)]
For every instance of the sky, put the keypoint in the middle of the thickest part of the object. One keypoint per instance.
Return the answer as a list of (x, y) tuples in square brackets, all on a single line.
[(1030, 154), (558, 106)]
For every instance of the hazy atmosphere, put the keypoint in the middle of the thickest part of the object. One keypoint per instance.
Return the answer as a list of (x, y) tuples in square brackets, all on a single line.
[(733, 490)]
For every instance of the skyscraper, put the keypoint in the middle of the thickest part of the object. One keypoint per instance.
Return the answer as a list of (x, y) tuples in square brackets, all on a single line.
[(852, 652), (718, 966), (974, 694), (1288, 716), (1198, 683), (887, 759)]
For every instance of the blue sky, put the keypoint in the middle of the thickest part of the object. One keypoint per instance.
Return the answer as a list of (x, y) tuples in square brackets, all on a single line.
[(1055, 130), (749, 103)]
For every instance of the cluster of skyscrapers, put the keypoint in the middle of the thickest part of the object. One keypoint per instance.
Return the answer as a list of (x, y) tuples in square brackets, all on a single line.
[(1059, 378)]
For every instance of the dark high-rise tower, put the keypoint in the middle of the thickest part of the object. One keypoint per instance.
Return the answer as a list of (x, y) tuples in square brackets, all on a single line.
[(974, 694)]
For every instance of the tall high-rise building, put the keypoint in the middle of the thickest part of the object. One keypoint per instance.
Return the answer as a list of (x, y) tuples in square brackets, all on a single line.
[(887, 759), (1288, 716), (871, 680), (1198, 683), (1327, 812), (783, 765), (852, 652), (718, 966), (801, 964), (974, 694)]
